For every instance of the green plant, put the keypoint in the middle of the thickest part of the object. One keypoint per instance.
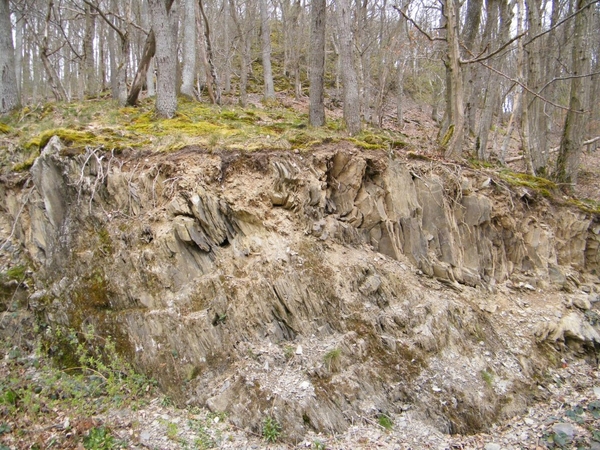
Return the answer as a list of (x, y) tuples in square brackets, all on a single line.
[(271, 430), (488, 377), (172, 431), (288, 351), (384, 421), (332, 359), (318, 445), (99, 438)]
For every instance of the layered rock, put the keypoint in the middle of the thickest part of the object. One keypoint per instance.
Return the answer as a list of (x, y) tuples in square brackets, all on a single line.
[(307, 287)]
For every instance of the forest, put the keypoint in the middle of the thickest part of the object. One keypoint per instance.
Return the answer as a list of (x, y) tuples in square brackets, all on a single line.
[(488, 71)]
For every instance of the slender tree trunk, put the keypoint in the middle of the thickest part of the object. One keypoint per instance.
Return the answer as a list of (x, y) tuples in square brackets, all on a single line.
[(188, 74), (453, 137), (53, 79), (533, 106), (348, 69), (212, 76), (9, 94), (266, 51), (88, 52), (20, 25), (142, 73), (316, 113), (166, 59), (567, 164)]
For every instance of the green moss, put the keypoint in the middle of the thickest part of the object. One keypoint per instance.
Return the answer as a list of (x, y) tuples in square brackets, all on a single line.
[(25, 165), (541, 185), (67, 136), (446, 138), (586, 205), (479, 164), (418, 156)]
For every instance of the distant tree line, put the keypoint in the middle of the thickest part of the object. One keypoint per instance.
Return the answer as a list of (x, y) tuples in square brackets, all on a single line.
[(489, 69)]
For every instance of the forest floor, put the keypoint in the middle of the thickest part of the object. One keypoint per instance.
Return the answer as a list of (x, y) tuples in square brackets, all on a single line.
[(104, 407)]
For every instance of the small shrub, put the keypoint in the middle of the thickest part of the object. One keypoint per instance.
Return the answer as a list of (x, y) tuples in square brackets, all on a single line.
[(332, 359), (99, 438), (385, 422), (318, 445), (271, 430)]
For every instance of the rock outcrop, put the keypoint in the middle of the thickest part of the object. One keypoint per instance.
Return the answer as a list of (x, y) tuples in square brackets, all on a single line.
[(316, 288)]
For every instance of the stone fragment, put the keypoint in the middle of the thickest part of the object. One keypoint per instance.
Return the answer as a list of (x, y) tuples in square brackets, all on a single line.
[(565, 428), (582, 302), (492, 446)]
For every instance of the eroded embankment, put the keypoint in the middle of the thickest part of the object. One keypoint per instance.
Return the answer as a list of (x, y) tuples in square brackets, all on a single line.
[(315, 288)]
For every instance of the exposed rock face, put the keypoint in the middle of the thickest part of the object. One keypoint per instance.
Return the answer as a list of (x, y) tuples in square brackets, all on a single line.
[(212, 270)]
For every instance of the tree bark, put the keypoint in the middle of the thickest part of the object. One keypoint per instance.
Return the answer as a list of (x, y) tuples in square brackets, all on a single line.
[(266, 51), (188, 74), (142, 71), (88, 52), (567, 163), (454, 134), (9, 94), (316, 113), (212, 77), (166, 59), (350, 94)]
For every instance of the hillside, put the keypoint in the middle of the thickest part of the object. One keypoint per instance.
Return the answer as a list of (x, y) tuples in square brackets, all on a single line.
[(299, 284)]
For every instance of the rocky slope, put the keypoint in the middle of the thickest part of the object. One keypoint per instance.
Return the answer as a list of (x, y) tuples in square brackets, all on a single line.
[(322, 289)]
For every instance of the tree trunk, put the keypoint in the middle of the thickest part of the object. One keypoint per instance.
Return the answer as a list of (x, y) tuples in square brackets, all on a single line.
[(188, 74), (166, 59), (266, 51), (316, 113), (53, 80), (453, 136), (567, 163), (348, 69), (212, 78), (88, 52), (9, 94), (142, 71), (533, 106)]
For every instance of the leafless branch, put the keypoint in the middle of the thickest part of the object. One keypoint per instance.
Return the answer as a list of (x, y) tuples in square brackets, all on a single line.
[(494, 53), (106, 19), (537, 36), (570, 77), (432, 39), (555, 149), (535, 94)]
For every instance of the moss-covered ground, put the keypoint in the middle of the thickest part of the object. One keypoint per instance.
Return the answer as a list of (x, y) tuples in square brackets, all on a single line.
[(102, 123)]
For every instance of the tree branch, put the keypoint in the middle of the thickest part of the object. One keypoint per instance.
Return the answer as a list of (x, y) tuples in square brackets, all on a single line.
[(106, 19), (535, 94), (570, 77), (555, 149), (494, 53), (432, 39), (537, 36)]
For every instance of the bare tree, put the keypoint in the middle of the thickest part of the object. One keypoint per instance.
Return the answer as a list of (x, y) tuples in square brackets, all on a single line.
[(316, 115), (9, 94), (349, 77), (166, 61), (567, 163), (188, 74), (266, 50)]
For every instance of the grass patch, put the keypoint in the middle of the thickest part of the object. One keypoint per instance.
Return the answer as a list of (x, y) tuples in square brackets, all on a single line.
[(101, 123), (332, 359), (385, 422)]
